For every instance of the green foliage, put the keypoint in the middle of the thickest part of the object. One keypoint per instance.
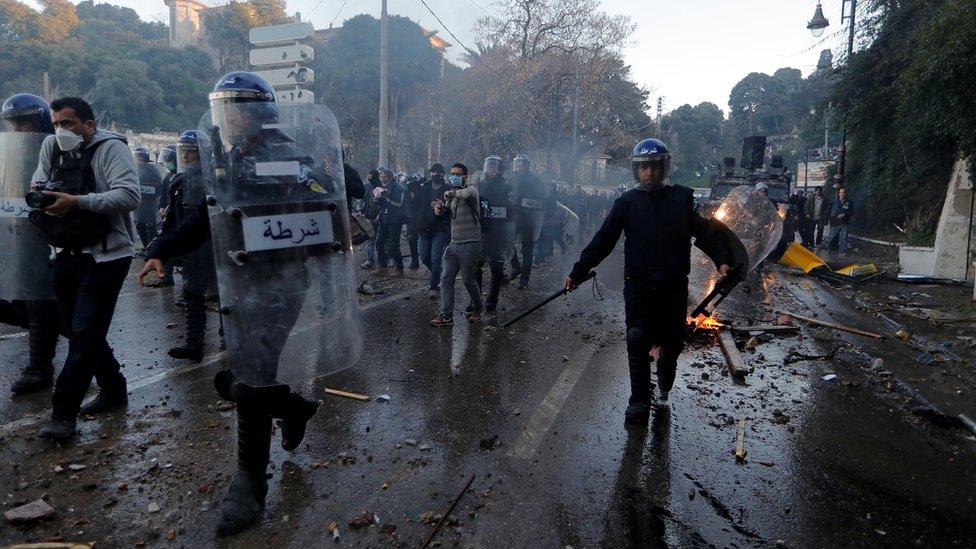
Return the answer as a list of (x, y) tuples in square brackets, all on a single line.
[(108, 55), (906, 97), (226, 28)]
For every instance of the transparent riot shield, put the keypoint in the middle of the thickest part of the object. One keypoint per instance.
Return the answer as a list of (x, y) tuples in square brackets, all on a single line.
[(280, 231), (750, 216), (531, 207), (26, 272)]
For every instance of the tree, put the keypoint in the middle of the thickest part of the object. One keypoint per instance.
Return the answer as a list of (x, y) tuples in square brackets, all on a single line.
[(125, 93), (226, 28)]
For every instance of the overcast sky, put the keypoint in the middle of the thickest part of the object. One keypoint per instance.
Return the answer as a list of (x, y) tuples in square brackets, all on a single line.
[(688, 51)]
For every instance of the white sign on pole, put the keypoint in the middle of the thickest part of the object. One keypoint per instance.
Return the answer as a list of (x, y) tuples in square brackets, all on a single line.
[(295, 96), (283, 55), (280, 34), (288, 77)]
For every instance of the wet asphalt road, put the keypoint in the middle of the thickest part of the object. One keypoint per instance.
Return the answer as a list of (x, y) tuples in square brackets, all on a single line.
[(535, 414)]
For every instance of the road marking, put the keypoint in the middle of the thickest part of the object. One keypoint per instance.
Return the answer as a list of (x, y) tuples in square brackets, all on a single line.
[(209, 360), (541, 422), (14, 336)]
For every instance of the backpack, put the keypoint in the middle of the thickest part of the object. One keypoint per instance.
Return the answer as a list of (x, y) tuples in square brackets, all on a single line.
[(78, 229)]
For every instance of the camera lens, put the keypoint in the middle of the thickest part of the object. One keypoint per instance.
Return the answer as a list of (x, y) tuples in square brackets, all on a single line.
[(35, 199)]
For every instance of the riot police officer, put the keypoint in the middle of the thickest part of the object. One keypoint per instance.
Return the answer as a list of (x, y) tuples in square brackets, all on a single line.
[(166, 158), (30, 117), (186, 192), (531, 197), (499, 240), (151, 186), (280, 232), (659, 221)]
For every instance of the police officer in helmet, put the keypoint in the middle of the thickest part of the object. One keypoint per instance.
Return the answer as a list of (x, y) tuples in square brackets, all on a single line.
[(27, 113), (660, 222), (263, 291)]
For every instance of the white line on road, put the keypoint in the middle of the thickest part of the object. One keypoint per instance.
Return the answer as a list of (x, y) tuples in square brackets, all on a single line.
[(541, 421), (14, 336)]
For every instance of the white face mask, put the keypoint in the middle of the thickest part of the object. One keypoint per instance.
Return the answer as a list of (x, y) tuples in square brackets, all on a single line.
[(68, 141)]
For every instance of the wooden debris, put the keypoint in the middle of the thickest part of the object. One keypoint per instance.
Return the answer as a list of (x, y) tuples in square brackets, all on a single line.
[(768, 328), (732, 355), (354, 396), (840, 327), (437, 527), (740, 442), (903, 335)]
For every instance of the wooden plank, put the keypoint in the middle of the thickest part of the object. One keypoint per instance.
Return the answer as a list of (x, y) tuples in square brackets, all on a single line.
[(840, 327), (740, 442), (771, 328), (732, 355), (355, 396)]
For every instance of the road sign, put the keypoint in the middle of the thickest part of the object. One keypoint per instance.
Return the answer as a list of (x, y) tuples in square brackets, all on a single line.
[(295, 96), (283, 55), (288, 77), (281, 34)]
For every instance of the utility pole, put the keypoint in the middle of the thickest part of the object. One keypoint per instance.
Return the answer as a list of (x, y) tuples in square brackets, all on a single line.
[(842, 162), (47, 87), (384, 88)]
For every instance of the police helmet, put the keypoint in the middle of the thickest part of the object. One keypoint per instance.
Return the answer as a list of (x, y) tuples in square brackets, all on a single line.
[(495, 162), (167, 157), (241, 103), (651, 151), (141, 154), (26, 112), (521, 162)]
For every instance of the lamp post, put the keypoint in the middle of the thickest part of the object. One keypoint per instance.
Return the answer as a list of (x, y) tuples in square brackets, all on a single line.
[(817, 26)]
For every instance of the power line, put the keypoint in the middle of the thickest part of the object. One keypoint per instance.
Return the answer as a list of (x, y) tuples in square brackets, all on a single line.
[(475, 4), (338, 13), (314, 8)]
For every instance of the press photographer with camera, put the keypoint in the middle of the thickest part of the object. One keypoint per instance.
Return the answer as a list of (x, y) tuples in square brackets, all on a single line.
[(85, 189)]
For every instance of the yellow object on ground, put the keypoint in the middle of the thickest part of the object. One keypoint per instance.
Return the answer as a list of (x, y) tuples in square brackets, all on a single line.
[(857, 270), (798, 256)]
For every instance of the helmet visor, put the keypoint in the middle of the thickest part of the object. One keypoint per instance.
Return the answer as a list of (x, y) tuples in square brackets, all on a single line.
[(493, 165), (236, 121)]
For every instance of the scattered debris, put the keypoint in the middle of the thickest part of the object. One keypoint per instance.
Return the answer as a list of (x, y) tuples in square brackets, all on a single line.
[(740, 443), (829, 377), (732, 355), (362, 520), (355, 396), (382, 398), (153, 507), (366, 288), (35, 510), (780, 417), (334, 528), (450, 508), (388, 529), (903, 335), (752, 343), (490, 443), (924, 358), (794, 356), (410, 442), (840, 327), (766, 328)]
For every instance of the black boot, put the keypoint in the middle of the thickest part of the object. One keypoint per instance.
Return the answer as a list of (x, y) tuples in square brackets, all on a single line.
[(195, 313), (109, 397), (639, 363), (44, 320), (187, 352), (244, 502), (296, 414), (59, 429)]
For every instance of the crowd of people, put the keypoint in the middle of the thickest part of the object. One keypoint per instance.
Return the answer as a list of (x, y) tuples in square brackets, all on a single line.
[(813, 213), (458, 223)]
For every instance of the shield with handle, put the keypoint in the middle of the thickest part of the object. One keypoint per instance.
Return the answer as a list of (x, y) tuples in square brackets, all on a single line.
[(281, 241), (27, 273)]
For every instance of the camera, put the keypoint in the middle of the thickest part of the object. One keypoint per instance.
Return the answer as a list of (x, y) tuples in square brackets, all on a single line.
[(35, 199)]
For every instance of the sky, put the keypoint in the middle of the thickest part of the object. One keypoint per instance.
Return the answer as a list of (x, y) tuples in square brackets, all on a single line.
[(688, 52)]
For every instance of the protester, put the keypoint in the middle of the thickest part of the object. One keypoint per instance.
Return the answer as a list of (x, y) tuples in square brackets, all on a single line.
[(433, 226), (464, 251), (840, 218), (391, 197), (817, 214), (370, 210)]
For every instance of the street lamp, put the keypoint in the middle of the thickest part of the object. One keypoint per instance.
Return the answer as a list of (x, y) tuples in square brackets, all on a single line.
[(818, 23), (817, 26)]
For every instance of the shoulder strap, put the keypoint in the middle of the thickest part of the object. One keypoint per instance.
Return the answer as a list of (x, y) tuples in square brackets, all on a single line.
[(87, 173)]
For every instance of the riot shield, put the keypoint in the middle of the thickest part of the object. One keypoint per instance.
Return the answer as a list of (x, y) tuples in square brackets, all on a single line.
[(280, 231), (750, 216), (26, 272), (532, 207), (199, 272)]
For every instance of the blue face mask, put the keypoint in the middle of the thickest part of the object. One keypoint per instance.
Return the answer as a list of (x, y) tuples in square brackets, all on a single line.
[(456, 181)]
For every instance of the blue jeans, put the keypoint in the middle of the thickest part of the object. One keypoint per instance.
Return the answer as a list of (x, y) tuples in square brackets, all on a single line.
[(371, 244), (432, 248), (840, 233), (388, 244)]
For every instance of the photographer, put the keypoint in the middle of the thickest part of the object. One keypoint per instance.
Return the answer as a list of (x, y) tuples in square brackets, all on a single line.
[(392, 200), (89, 182), (433, 225)]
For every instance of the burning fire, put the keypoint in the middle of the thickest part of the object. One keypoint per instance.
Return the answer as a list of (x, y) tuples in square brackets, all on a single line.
[(705, 323), (721, 213)]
